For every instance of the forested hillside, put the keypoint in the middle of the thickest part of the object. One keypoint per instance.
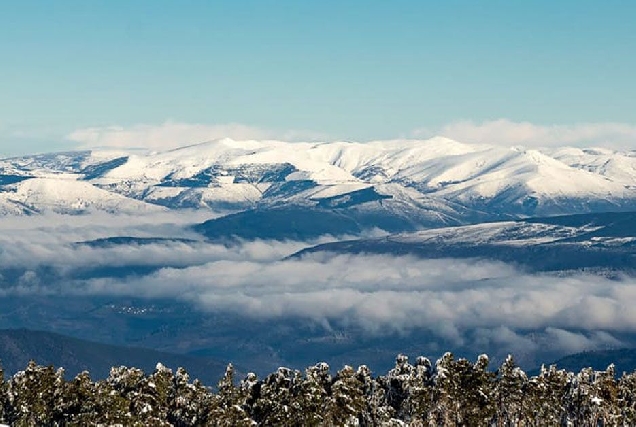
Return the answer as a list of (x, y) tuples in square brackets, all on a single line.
[(448, 393)]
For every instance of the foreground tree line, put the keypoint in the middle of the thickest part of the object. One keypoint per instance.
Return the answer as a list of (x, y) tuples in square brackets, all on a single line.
[(453, 392)]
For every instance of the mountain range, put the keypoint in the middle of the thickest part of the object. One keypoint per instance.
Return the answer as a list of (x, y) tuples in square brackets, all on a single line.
[(551, 211), (399, 185)]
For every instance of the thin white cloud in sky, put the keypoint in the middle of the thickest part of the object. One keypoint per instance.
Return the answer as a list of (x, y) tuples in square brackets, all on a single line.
[(509, 133), (172, 134)]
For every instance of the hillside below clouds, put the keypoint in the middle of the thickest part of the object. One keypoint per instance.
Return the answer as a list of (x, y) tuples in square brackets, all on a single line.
[(601, 243), (400, 185)]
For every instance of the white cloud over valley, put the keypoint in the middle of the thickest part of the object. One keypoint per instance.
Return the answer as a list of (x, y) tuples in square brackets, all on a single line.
[(462, 302)]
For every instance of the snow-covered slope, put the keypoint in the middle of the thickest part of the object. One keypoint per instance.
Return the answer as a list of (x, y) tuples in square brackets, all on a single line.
[(66, 195), (618, 166), (436, 178)]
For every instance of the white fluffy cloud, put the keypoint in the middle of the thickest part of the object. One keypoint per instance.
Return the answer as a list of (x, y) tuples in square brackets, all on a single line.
[(370, 291), (509, 133), (482, 304), (172, 134)]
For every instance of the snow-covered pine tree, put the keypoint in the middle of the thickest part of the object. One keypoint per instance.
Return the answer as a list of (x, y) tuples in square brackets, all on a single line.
[(419, 392), (509, 393), (228, 405), (3, 395), (626, 398), (464, 392), (151, 399), (313, 393), (378, 411), (285, 400), (35, 396), (605, 388), (117, 393), (546, 397), (347, 401), (397, 383), (191, 401), (79, 404), (445, 387)]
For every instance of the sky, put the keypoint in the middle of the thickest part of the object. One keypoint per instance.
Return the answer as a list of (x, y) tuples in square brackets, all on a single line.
[(77, 74)]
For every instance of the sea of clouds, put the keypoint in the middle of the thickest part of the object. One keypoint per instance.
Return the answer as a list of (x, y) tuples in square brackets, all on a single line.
[(463, 302)]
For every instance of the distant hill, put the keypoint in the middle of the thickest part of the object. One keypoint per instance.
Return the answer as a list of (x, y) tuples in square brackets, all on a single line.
[(597, 242), (624, 360), (19, 346)]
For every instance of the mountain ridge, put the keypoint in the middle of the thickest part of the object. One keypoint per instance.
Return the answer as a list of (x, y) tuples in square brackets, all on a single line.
[(435, 182), (604, 242), (19, 346)]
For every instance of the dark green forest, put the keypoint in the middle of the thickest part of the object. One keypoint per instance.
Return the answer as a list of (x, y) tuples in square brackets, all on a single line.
[(451, 392)]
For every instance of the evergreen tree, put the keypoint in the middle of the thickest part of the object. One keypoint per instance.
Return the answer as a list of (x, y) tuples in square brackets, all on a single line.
[(378, 411), (605, 389), (313, 394), (626, 399), (419, 397), (397, 383), (228, 406), (34, 396), (116, 395), (3, 395), (80, 404), (465, 392), (509, 393), (347, 401), (546, 399), (190, 403)]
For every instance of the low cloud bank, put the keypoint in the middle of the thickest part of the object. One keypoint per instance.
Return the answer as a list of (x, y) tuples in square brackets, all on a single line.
[(460, 301), (388, 293)]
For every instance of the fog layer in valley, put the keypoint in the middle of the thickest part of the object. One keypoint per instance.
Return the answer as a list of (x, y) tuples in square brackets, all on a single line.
[(464, 305)]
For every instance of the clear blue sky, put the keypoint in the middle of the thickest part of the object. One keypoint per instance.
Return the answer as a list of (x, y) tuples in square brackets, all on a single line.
[(351, 69)]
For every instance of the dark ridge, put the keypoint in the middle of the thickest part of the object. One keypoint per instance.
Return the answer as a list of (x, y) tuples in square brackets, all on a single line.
[(100, 169), (131, 240), (624, 359), (296, 223), (586, 251), (613, 224), (248, 173), (19, 346), (352, 199), (13, 179)]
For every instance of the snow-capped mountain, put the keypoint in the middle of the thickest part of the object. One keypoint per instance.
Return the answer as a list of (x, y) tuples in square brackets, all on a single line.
[(433, 182)]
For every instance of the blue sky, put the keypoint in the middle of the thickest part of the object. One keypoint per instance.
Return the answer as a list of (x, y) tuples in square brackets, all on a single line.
[(324, 70)]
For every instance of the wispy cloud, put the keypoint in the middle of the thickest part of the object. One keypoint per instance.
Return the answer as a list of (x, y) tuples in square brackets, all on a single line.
[(172, 134), (509, 133)]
